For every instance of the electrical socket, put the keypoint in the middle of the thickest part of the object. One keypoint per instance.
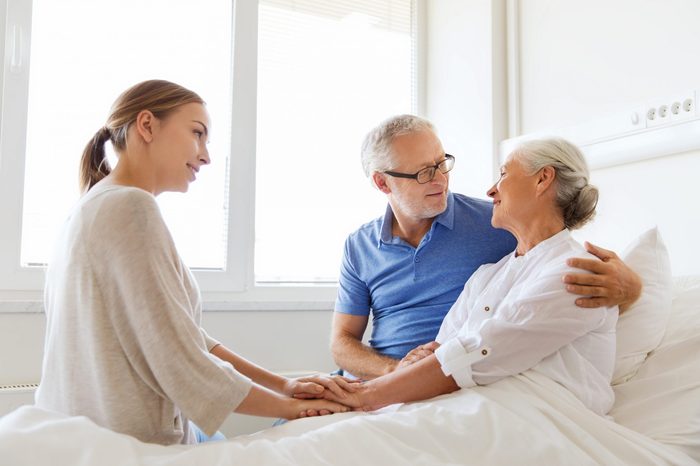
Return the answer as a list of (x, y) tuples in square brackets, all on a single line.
[(684, 105), (688, 105), (658, 112), (674, 108)]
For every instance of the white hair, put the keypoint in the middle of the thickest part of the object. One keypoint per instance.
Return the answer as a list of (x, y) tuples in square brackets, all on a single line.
[(376, 148), (576, 198)]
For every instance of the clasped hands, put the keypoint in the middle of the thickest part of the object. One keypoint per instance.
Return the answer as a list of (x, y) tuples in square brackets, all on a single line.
[(345, 391), (338, 389)]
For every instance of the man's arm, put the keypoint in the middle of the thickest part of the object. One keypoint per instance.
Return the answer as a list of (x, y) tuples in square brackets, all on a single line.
[(351, 354), (612, 283)]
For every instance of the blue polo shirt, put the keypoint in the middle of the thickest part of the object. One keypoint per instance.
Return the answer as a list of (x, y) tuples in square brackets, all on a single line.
[(409, 290)]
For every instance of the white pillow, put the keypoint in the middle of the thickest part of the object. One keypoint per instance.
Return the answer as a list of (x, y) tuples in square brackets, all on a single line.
[(662, 400), (684, 319), (640, 329)]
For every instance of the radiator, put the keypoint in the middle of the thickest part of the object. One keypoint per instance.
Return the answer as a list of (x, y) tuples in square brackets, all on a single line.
[(14, 396)]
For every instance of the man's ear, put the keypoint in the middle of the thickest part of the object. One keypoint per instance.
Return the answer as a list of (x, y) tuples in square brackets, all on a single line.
[(545, 179), (145, 124), (380, 182)]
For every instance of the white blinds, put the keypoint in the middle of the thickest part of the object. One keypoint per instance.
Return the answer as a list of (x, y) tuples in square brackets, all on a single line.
[(328, 71), (392, 15)]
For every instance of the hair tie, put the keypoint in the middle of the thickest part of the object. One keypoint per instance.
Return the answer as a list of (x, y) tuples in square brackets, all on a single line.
[(106, 132)]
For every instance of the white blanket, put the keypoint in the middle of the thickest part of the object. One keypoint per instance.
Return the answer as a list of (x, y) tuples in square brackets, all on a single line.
[(527, 419)]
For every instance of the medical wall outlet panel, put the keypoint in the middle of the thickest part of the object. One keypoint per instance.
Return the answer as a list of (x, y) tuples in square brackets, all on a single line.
[(659, 127)]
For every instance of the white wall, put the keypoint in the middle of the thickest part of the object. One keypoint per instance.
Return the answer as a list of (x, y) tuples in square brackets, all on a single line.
[(465, 86), (583, 60), (277, 340), (21, 347)]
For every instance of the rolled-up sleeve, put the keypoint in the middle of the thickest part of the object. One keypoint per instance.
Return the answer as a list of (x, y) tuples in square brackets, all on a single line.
[(456, 361)]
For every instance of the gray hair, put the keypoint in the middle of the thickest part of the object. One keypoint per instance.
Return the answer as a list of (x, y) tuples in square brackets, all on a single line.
[(576, 199), (376, 148)]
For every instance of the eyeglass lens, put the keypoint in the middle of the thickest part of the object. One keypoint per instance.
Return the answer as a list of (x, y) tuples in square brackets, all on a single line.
[(427, 174)]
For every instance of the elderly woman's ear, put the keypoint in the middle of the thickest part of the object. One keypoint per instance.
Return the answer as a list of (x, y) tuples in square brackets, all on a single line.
[(545, 180)]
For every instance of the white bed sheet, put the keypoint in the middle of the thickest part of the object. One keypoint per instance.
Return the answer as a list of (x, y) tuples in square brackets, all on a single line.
[(526, 419)]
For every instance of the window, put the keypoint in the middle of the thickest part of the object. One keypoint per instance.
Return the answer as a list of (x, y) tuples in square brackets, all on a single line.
[(78, 65), (292, 87), (327, 72)]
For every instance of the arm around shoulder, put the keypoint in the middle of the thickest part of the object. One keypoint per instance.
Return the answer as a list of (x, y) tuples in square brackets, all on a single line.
[(612, 282)]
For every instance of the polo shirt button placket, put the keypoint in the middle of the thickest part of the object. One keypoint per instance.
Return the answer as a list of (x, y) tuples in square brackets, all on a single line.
[(416, 260)]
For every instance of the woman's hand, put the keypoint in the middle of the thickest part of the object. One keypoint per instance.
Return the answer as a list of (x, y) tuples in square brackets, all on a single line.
[(318, 386), (309, 408), (354, 399), (418, 353)]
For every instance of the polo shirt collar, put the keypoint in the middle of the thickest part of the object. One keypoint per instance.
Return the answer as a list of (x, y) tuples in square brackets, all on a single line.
[(385, 235), (446, 219)]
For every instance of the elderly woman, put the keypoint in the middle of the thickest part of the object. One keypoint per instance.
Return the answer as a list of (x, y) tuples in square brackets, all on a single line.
[(516, 315)]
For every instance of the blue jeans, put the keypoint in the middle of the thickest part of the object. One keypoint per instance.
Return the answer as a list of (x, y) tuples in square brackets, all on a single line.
[(202, 437)]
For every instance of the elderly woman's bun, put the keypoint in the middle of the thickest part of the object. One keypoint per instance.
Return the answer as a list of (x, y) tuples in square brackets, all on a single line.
[(575, 197), (582, 209)]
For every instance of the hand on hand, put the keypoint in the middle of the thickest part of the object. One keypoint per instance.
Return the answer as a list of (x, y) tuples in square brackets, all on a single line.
[(318, 386), (310, 408), (353, 399), (612, 283), (418, 353)]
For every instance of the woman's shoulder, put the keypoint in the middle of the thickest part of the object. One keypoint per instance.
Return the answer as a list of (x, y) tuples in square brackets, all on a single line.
[(117, 194), (554, 261), (486, 272), (113, 209), (116, 201)]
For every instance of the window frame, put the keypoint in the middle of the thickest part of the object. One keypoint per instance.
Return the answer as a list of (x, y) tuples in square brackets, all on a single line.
[(235, 287)]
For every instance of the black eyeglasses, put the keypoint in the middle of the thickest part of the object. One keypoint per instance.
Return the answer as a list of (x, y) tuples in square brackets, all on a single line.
[(427, 174)]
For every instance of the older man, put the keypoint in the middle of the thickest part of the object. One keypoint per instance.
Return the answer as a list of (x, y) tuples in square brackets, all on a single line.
[(408, 267)]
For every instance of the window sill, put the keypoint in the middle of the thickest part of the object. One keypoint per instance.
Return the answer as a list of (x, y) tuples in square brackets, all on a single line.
[(267, 297)]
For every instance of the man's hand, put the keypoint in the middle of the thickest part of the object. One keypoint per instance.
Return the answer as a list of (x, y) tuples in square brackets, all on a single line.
[(418, 353), (613, 283)]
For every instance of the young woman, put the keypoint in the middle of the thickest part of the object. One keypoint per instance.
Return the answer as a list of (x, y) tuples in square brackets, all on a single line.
[(124, 345)]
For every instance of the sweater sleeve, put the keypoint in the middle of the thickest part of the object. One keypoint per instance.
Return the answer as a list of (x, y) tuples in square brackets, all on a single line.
[(152, 316), (209, 342)]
